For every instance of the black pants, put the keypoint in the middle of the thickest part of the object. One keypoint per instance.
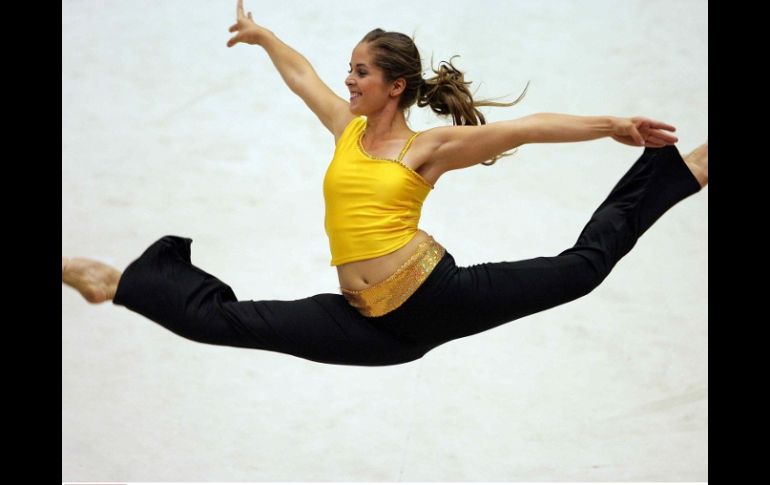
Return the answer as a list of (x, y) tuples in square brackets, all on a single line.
[(454, 302)]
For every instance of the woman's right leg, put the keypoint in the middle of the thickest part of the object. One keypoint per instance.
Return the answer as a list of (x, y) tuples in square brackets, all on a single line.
[(164, 286)]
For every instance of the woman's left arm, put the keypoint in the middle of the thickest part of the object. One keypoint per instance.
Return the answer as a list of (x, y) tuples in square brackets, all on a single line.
[(635, 131), (455, 147)]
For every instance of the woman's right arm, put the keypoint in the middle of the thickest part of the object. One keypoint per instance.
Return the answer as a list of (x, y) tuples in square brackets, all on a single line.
[(295, 70)]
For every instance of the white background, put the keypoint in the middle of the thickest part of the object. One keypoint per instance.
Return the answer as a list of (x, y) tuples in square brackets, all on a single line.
[(166, 131)]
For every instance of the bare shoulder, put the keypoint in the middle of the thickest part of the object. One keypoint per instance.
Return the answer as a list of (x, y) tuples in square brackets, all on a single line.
[(434, 136), (456, 147), (430, 140)]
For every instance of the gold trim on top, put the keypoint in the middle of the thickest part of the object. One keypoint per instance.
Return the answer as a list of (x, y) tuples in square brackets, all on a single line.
[(411, 170)]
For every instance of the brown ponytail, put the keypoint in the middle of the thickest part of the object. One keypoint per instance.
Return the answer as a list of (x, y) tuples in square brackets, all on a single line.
[(446, 93)]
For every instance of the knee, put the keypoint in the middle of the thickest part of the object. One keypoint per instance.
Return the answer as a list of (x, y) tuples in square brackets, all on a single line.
[(202, 325), (590, 282), (196, 330), (588, 272)]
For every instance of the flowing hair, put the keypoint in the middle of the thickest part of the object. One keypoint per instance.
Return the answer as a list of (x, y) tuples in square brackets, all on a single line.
[(446, 93)]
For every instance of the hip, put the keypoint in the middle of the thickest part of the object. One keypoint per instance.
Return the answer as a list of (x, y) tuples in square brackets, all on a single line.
[(390, 293)]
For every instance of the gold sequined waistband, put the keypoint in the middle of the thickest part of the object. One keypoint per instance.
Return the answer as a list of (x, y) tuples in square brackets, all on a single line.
[(390, 293)]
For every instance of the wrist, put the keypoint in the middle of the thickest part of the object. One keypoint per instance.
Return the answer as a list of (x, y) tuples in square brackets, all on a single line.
[(263, 35), (611, 124)]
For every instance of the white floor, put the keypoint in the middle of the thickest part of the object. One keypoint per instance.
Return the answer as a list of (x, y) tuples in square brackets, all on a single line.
[(166, 131)]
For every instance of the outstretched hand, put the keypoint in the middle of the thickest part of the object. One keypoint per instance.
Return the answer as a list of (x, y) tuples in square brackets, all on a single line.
[(639, 131), (248, 31)]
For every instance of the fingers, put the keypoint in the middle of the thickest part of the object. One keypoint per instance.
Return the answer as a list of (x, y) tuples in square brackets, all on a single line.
[(250, 17), (660, 124), (647, 124), (233, 28), (655, 142), (658, 138), (636, 136), (663, 136), (239, 8), (233, 40)]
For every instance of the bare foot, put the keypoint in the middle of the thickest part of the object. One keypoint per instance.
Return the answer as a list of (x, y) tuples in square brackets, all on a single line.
[(698, 163), (96, 281)]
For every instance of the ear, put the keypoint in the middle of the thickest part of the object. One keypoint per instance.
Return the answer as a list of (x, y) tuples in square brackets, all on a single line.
[(398, 87)]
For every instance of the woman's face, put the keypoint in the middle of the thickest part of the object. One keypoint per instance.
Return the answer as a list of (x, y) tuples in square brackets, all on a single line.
[(367, 90)]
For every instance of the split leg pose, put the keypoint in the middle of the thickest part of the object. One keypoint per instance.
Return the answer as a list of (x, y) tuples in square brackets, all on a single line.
[(401, 293)]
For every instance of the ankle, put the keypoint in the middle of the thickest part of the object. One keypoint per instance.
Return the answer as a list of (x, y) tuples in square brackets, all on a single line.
[(700, 173)]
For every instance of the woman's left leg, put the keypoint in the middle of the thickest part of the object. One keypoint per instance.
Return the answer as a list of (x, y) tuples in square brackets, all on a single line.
[(473, 299)]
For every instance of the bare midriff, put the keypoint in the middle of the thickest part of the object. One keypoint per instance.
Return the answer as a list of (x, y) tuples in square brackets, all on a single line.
[(360, 275)]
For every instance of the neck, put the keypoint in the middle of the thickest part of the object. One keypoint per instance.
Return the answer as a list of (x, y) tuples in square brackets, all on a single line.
[(384, 125)]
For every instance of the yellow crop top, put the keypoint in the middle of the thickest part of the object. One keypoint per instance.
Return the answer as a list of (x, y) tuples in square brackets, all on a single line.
[(372, 204)]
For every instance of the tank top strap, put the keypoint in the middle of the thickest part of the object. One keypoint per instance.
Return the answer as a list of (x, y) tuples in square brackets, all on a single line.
[(408, 144)]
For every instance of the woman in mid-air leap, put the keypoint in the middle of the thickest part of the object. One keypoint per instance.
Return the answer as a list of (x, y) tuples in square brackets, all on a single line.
[(401, 293)]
